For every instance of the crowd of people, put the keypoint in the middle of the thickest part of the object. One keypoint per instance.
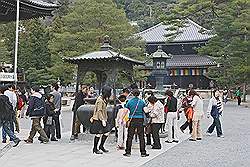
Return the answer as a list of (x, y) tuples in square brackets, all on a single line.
[(134, 117)]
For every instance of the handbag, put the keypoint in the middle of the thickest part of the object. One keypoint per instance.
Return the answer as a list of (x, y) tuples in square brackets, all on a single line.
[(49, 121), (130, 119)]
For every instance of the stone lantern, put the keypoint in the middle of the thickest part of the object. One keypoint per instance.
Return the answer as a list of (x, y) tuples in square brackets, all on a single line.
[(160, 69)]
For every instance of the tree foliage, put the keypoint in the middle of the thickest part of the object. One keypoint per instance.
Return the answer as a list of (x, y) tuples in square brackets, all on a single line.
[(229, 21)]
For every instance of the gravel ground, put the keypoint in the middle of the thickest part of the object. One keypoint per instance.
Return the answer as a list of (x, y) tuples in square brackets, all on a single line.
[(231, 151)]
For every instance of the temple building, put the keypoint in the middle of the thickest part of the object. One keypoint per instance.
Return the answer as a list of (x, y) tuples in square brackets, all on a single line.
[(185, 66), (28, 9)]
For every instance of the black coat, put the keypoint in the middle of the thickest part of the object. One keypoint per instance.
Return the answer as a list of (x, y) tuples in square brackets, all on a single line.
[(49, 111), (6, 109), (79, 100)]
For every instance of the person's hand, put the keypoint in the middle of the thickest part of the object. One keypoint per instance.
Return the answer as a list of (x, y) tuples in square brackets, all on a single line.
[(104, 123), (208, 116)]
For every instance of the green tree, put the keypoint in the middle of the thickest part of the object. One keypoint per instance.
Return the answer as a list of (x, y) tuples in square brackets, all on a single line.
[(82, 29), (230, 23)]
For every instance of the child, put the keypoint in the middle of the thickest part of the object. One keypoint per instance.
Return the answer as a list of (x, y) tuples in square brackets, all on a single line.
[(121, 119), (49, 123)]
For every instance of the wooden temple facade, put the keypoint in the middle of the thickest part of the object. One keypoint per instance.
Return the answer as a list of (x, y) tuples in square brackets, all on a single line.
[(28, 9), (186, 66)]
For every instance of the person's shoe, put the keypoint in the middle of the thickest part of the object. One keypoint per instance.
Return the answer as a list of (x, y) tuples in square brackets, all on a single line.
[(120, 148), (198, 138), (40, 139), (76, 136), (44, 142), (28, 141), (4, 141), (96, 151), (168, 141), (176, 141), (182, 130), (53, 139), (156, 148), (144, 155), (221, 136), (208, 134), (127, 154), (192, 139), (16, 143), (103, 149)]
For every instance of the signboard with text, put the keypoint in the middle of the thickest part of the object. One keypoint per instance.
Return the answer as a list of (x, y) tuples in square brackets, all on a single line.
[(6, 77)]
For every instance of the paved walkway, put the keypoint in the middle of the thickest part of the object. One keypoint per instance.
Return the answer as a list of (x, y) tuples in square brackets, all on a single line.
[(233, 150)]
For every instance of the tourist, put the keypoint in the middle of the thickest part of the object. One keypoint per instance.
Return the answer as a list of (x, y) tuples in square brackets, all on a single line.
[(215, 108), (10, 93), (36, 111), (188, 111), (172, 115), (238, 95), (79, 100), (99, 121), (6, 116), (198, 114), (136, 117), (156, 112), (225, 95), (49, 118), (120, 122), (58, 105), (92, 93), (25, 103)]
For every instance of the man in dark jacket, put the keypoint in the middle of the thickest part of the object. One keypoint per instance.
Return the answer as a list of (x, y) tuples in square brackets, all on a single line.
[(6, 116), (79, 100), (36, 111)]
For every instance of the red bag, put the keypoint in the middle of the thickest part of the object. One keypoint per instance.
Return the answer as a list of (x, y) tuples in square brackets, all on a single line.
[(20, 103)]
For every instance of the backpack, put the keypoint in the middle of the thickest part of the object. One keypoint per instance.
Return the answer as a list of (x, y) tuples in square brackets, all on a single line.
[(39, 107), (7, 112)]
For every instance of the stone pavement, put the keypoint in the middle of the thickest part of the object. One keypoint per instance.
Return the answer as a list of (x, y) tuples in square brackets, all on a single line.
[(233, 150)]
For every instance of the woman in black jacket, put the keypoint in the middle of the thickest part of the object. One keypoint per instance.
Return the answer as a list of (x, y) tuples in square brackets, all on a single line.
[(48, 119)]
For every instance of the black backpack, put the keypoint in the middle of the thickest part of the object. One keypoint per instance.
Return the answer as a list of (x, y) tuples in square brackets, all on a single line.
[(39, 107), (7, 112)]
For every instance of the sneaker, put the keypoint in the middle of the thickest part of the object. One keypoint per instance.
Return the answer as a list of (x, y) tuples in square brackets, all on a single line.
[(28, 141), (176, 141), (127, 154), (208, 134), (53, 139), (144, 155), (192, 139), (44, 142), (168, 141), (16, 143), (221, 136), (4, 141), (199, 138)]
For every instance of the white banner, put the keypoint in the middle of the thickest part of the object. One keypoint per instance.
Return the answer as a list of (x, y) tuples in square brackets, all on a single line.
[(4, 76)]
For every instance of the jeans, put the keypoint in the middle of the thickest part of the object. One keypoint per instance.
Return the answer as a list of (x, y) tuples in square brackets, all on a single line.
[(7, 125), (136, 123), (4, 134), (155, 134), (187, 124), (58, 127), (216, 123)]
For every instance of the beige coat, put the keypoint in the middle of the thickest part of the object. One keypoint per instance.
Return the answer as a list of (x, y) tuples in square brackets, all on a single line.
[(100, 110), (156, 112), (197, 105)]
